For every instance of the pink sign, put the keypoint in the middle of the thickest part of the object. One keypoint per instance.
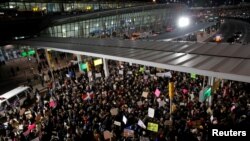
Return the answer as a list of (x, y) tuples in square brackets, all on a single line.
[(185, 91), (52, 104), (157, 92), (32, 126)]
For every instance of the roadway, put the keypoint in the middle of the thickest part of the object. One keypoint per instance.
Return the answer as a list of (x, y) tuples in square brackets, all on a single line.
[(181, 32), (229, 27)]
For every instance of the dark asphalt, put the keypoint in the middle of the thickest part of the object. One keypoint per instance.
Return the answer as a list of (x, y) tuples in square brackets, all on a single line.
[(181, 32), (229, 27), (7, 81)]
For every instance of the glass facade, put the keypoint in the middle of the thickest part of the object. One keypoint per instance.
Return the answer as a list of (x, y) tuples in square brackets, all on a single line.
[(50, 7), (127, 23)]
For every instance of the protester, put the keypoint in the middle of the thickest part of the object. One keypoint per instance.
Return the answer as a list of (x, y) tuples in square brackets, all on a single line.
[(91, 107)]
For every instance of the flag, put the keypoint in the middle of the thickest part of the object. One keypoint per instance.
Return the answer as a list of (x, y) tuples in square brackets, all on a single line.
[(207, 92), (124, 119), (83, 66), (152, 127), (157, 92), (141, 124), (88, 96)]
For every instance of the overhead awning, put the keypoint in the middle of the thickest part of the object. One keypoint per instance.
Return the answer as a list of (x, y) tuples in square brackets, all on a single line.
[(227, 61)]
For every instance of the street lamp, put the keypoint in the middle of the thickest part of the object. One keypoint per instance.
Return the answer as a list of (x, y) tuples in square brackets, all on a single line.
[(183, 22)]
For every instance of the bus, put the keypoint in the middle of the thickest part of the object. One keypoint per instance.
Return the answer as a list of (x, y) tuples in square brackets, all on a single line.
[(14, 98)]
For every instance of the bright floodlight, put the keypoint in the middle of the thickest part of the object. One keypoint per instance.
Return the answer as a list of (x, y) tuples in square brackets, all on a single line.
[(183, 22)]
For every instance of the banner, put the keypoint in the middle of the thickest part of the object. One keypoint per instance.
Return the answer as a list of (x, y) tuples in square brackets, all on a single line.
[(152, 127), (97, 62), (165, 74)]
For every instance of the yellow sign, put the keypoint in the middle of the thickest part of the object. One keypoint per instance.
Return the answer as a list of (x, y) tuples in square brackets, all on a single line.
[(152, 127), (97, 62), (88, 8), (171, 90), (142, 69), (35, 9)]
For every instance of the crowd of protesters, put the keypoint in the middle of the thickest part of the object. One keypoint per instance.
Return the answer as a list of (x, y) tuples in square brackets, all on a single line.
[(78, 108)]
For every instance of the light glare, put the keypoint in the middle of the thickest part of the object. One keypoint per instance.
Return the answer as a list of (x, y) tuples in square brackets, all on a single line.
[(183, 22)]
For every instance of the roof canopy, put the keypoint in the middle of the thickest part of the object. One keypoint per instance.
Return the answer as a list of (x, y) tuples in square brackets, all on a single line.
[(227, 61)]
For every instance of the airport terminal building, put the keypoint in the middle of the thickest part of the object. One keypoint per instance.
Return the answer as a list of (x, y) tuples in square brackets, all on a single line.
[(117, 22)]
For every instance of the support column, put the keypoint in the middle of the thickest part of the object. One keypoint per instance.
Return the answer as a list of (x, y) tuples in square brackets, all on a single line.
[(105, 67), (79, 60), (48, 58), (37, 57), (211, 83)]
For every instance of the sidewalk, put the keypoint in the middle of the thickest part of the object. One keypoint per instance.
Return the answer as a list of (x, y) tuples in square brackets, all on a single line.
[(27, 69)]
